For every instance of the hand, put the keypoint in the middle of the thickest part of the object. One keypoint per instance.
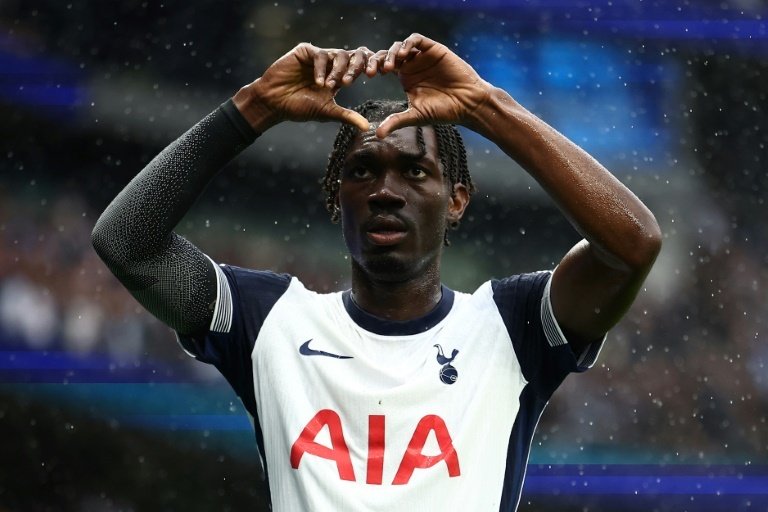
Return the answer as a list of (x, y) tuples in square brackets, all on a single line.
[(302, 84), (441, 87)]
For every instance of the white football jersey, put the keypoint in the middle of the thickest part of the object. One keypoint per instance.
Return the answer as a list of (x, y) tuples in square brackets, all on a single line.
[(356, 413)]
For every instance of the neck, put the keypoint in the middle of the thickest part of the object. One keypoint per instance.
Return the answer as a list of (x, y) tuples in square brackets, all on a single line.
[(399, 301)]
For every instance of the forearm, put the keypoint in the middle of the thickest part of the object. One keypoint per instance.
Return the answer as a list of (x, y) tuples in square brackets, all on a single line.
[(145, 212), (134, 236), (619, 227)]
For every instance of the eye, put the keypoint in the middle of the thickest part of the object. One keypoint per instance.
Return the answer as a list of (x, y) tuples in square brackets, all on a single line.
[(416, 172), (358, 173)]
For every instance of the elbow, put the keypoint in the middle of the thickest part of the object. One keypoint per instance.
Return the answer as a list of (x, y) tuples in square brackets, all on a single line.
[(646, 246), (100, 241), (97, 238), (631, 250)]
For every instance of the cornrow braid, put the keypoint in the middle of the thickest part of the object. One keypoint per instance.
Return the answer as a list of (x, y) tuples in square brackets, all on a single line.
[(332, 179), (450, 148), (453, 155), (420, 142)]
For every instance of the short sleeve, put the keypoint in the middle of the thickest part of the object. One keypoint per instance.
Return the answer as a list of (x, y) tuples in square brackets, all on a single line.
[(556, 338), (244, 299), (544, 354)]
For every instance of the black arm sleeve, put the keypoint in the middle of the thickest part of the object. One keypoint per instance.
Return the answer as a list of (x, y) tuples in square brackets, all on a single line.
[(168, 275)]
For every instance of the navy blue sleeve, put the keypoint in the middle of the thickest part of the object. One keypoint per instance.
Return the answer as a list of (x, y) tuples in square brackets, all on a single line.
[(244, 301), (544, 354)]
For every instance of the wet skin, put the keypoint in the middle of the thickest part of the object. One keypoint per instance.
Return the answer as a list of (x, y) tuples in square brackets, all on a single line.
[(395, 207)]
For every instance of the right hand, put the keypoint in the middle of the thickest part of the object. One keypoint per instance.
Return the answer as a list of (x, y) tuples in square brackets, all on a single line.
[(441, 86), (302, 84)]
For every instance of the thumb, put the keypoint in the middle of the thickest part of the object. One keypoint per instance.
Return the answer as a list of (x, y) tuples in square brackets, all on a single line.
[(348, 116), (408, 117)]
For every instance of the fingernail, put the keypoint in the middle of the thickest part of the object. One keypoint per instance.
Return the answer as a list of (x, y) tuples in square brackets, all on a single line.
[(331, 83)]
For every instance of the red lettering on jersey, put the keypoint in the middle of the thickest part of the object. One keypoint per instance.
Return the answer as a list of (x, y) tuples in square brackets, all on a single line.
[(375, 449), (414, 458), (339, 452)]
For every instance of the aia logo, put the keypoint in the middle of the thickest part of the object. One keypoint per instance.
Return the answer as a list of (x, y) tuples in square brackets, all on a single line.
[(448, 374), (412, 459)]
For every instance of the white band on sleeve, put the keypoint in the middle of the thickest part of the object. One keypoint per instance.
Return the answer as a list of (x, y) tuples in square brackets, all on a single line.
[(222, 312), (555, 336)]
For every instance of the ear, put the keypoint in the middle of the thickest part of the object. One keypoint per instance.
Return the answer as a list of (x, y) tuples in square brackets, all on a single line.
[(457, 202)]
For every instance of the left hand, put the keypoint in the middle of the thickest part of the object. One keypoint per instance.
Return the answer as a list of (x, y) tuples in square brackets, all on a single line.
[(441, 87), (302, 85)]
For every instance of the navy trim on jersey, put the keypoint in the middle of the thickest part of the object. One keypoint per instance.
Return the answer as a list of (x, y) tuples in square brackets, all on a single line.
[(384, 327), (545, 358), (230, 352), (519, 447), (519, 298)]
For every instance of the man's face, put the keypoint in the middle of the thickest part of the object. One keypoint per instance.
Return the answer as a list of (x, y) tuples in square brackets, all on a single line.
[(396, 204)]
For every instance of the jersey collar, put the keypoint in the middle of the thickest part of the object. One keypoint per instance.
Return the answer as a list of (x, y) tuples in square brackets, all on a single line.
[(382, 326)]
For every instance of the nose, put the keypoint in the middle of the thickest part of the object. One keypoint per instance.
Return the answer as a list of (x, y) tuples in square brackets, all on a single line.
[(387, 191)]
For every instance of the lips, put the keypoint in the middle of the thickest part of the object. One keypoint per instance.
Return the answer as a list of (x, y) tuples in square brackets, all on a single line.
[(385, 230)]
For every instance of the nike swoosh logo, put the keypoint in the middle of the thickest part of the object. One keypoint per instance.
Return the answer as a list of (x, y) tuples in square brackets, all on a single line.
[(306, 351)]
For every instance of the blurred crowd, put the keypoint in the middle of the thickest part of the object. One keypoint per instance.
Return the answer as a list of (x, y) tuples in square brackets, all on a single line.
[(55, 294), (683, 378)]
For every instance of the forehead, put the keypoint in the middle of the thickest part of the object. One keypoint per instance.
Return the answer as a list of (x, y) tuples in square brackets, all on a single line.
[(403, 142)]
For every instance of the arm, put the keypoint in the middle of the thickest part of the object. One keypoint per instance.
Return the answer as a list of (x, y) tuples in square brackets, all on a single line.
[(168, 275), (598, 279)]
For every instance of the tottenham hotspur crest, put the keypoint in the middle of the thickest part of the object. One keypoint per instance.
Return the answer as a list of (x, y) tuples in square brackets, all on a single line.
[(448, 374)]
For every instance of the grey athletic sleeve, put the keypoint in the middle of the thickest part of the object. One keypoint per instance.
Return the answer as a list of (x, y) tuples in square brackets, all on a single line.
[(168, 275)]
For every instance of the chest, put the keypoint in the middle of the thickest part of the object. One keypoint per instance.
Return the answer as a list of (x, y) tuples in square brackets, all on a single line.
[(375, 409)]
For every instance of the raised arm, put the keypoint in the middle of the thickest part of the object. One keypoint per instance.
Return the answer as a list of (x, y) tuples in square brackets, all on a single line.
[(167, 274), (134, 236), (597, 280)]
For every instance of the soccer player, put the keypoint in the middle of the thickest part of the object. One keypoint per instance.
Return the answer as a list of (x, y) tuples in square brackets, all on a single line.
[(400, 393)]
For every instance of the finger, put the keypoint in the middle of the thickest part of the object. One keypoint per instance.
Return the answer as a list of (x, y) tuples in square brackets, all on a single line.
[(410, 55), (375, 62), (418, 41), (340, 62), (348, 116), (408, 117), (321, 66), (356, 65), (411, 47), (405, 48), (389, 61)]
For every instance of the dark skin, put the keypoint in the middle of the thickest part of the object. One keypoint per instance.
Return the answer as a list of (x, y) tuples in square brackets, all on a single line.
[(595, 282), (395, 207)]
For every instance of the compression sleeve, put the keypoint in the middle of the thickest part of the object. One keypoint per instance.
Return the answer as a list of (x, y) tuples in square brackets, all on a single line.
[(168, 275)]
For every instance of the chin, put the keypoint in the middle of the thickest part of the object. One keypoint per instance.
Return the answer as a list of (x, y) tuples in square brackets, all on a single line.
[(388, 267)]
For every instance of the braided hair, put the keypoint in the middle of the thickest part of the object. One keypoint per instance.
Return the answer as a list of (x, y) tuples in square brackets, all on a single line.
[(450, 148)]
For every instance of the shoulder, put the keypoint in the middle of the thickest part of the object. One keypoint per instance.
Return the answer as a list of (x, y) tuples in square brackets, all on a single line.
[(249, 277), (504, 292), (519, 299), (269, 289), (521, 284), (243, 294)]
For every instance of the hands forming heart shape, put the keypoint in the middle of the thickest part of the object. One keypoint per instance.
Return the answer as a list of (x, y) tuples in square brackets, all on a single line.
[(302, 85)]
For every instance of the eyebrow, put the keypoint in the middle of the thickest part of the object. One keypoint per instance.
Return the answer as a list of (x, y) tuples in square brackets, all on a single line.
[(370, 155)]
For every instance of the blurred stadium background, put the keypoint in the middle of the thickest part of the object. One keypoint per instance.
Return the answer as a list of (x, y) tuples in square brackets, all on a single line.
[(101, 411)]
